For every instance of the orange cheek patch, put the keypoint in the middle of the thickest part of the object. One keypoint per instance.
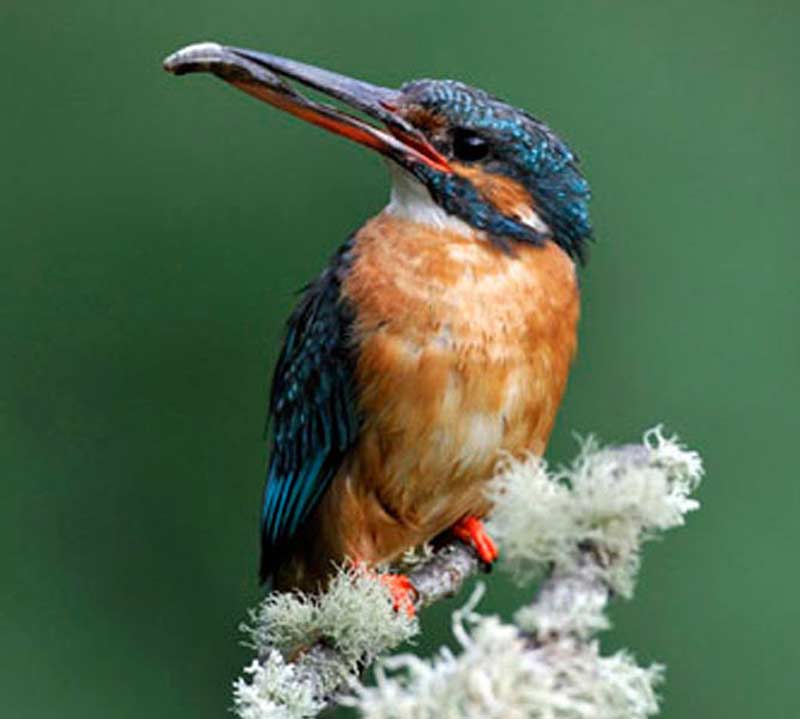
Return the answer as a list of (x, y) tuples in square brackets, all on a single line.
[(504, 193)]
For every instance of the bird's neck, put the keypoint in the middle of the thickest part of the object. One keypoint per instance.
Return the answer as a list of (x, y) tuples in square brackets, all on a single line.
[(410, 201)]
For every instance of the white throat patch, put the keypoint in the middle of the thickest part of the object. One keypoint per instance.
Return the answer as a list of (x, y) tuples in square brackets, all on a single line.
[(410, 200)]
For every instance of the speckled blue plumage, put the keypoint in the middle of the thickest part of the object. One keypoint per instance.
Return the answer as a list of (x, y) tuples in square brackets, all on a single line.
[(312, 409), (524, 148)]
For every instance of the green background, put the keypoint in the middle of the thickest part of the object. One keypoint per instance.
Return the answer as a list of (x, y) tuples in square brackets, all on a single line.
[(154, 230)]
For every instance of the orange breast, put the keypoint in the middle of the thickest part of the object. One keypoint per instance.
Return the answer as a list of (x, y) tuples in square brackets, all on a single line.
[(464, 354)]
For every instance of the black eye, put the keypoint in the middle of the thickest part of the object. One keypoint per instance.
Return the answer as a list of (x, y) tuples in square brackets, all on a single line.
[(469, 146)]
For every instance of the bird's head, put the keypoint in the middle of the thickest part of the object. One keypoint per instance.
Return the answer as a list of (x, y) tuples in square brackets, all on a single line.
[(471, 156)]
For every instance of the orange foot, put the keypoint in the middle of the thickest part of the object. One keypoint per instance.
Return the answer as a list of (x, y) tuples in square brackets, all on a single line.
[(402, 591), (470, 530)]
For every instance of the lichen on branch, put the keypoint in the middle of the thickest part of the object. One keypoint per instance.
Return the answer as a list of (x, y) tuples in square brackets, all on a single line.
[(579, 529)]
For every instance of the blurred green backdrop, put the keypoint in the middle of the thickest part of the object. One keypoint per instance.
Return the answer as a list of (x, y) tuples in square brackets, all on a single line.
[(154, 230)]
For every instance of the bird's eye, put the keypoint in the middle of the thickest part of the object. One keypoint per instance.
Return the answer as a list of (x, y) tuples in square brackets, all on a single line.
[(469, 146)]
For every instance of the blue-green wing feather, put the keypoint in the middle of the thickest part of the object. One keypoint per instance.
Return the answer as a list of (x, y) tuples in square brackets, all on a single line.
[(312, 410)]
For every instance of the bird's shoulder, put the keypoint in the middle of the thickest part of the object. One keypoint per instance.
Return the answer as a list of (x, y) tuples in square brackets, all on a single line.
[(316, 335)]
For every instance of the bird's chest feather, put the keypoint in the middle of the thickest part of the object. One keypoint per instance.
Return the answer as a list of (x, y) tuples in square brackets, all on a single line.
[(463, 353)]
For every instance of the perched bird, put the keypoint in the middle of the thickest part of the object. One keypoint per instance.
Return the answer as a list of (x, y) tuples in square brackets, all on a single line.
[(439, 336)]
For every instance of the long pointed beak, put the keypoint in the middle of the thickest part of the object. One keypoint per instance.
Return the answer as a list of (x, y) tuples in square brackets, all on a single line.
[(262, 76)]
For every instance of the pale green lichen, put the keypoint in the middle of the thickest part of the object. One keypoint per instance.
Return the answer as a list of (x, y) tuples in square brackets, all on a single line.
[(610, 499), (575, 610), (273, 689), (355, 616), (282, 621), (498, 674)]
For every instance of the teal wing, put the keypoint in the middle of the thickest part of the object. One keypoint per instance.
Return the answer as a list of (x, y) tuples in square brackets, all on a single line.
[(312, 410)]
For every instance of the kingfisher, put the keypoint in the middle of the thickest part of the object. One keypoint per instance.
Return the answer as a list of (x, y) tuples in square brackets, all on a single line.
[(441, 333)]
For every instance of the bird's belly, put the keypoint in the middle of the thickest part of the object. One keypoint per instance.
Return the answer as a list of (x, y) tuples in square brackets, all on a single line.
[(463, 355), (438, 420)]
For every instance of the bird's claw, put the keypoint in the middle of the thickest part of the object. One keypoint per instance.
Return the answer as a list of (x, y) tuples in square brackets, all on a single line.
[(403, 592), (471, 530)]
